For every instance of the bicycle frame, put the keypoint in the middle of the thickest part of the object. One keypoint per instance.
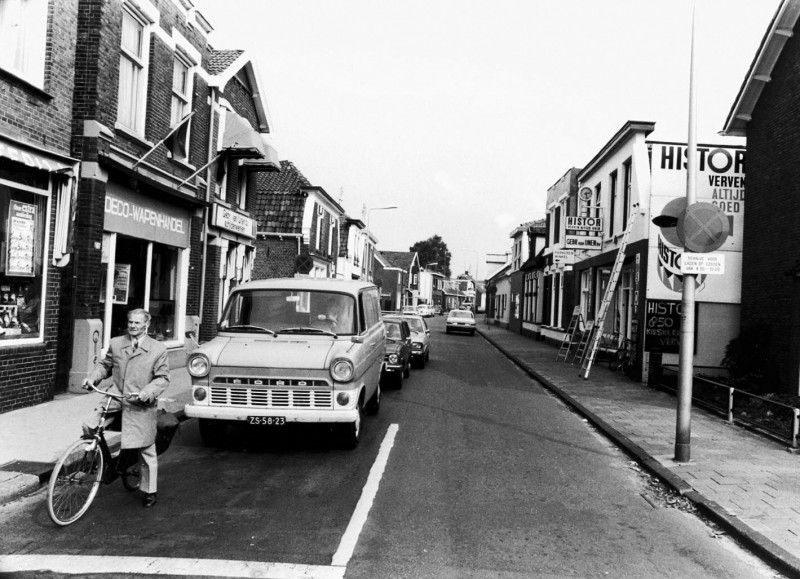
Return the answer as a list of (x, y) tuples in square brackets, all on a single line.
[(84, 467)]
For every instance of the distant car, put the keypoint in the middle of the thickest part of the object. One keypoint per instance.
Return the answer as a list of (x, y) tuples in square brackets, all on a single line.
[(397, 364), (420, 340), (424, 310), (412, 310), (460, 321), (437, 311)]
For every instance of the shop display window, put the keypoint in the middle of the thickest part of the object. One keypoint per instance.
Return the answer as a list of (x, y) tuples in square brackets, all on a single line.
[(163, 291), (23, 213)]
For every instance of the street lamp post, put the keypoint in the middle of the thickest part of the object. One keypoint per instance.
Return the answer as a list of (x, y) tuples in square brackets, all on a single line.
[(367, 253)]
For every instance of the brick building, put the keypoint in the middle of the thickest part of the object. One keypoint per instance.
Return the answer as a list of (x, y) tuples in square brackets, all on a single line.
[(38, 40), (298, 226), (168, 132), (765, 111), (397, 274)]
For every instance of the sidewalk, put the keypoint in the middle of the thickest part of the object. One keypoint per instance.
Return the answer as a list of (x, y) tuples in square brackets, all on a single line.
[(748, 484), (33, 438)]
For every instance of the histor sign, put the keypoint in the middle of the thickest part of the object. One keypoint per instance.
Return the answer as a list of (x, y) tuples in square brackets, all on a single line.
[(720, 181)]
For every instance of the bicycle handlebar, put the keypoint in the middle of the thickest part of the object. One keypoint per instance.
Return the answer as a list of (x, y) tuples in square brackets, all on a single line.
[(90, 386)]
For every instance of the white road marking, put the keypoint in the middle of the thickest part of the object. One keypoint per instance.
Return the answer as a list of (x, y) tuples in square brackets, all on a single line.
[(348, 543), (84, 564)]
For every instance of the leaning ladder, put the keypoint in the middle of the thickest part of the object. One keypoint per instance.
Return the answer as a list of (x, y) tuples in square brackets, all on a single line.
[(569, 338), (597, 330)]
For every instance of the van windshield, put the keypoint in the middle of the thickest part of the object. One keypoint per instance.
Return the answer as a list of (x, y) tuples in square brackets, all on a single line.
[(290, 311)]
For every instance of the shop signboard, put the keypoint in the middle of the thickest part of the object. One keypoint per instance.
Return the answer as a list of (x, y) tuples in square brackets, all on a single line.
[(584, 223), (20, 239), (662, 325), (229, 220), (720, 182), (583, 242), (130, 213)]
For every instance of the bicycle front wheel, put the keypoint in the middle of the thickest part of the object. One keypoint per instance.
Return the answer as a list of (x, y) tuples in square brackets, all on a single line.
[(74, 482)]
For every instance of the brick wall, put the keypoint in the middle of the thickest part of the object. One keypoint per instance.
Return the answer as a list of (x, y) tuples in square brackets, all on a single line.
[(274, 258), (208, 324), (770, 297)]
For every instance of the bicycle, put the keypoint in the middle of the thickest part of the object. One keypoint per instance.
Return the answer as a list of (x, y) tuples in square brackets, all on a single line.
[(624, 357), (84, 465)]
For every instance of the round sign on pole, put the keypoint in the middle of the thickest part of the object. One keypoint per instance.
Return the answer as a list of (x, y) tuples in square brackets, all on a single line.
[(703, 227), (303, 264)]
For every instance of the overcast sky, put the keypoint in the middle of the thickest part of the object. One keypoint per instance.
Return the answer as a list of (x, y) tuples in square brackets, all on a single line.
[(462, 113)]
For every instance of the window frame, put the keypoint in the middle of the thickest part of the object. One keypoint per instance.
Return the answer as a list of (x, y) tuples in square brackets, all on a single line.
[(185, 98), (33, 44), (139, 99)]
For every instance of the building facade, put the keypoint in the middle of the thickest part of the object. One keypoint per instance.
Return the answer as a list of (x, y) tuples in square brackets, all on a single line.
[(38, 180), (765, 112), (628, 183), (298, 226)]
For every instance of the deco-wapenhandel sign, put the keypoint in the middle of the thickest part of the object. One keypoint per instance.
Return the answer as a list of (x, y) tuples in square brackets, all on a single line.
[(721, 182)]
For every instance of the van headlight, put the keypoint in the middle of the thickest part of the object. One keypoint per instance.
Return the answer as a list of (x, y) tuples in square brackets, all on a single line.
[(198, 365), (342, 370)]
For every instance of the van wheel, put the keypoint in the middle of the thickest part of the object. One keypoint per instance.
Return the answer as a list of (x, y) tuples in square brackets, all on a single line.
[(374, 404), (350, 432), (212, 431)]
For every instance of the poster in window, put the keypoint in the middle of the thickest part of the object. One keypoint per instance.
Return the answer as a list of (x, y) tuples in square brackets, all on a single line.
[(20, 240), (122, 277)]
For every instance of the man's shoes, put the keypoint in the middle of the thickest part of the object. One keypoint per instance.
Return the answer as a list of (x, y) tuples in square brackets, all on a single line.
[(149, 500)]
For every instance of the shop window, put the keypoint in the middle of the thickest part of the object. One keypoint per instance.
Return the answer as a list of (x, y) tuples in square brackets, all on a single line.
[(163, 291), (23, 215), (23, 30), (133, 71)]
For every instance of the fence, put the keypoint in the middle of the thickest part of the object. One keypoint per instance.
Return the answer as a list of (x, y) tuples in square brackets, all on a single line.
[(775, 419)]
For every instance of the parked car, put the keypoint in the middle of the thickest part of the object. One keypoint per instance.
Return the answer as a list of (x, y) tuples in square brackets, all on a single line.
[(460, 321), (291, 350), (397, 363), (420, 340), (424, 310), (411, 310), (438, 311)]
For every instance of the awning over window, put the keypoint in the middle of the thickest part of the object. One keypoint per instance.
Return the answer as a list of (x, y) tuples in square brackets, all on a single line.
[(270, 160), (34, 157), (240, 139)]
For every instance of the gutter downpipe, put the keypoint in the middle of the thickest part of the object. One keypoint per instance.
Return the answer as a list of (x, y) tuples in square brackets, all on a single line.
[(204, 249)]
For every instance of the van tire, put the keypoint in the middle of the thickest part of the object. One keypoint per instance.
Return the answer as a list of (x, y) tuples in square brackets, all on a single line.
[(212, 431), (374, 404), (350, 432)]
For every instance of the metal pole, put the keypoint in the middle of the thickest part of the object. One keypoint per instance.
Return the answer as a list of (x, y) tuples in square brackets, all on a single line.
[(683, 428)]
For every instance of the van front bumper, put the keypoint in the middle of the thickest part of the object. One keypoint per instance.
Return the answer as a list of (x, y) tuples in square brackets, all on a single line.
[(308, 416)]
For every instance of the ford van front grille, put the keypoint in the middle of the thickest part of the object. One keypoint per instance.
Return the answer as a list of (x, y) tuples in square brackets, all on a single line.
[(264, 395)]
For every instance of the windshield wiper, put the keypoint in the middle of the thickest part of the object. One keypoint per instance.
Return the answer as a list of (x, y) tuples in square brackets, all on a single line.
[(304, 329), (248, 327)]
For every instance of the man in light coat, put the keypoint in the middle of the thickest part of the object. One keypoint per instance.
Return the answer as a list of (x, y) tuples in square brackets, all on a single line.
[(140, 370)]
